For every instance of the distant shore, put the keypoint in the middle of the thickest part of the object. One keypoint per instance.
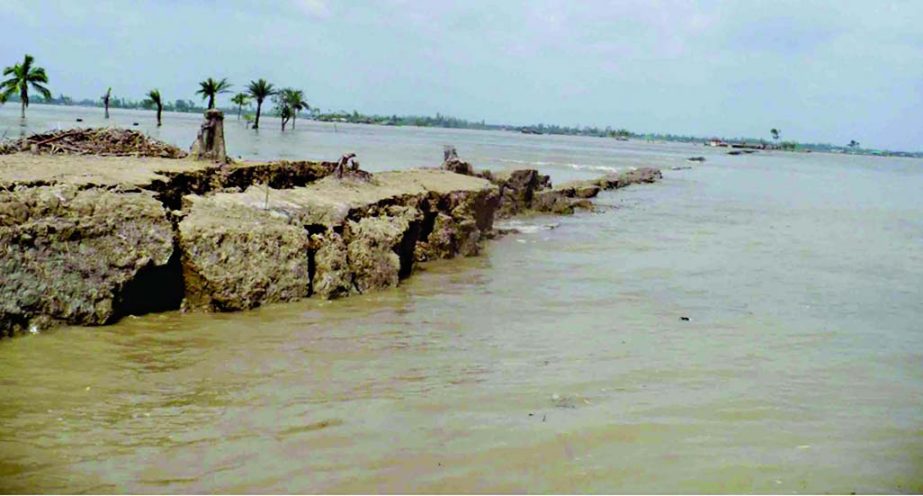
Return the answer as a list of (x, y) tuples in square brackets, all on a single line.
[(448, 122)]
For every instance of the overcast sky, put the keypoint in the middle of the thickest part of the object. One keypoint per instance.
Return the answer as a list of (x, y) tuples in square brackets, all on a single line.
[(819, 71)]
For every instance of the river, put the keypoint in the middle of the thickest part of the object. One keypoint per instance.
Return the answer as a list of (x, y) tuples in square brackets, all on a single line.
[(557, 361)]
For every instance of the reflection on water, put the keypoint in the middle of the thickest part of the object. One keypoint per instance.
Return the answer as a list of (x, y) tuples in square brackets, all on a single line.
[(557, 361)]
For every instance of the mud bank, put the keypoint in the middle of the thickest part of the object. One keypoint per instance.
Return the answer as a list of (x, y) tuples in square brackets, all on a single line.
[(87, 240)]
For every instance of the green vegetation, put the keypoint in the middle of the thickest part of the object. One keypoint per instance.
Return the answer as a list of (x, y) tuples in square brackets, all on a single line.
[(211, 88), (295, 100), (21, 78), (153, 99), (455, 123), (259, 90), (240, 100), (289, 102)]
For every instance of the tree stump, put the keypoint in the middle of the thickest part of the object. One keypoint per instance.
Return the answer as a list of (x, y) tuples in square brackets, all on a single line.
[(449, 153), (453, 163), (209, 145)]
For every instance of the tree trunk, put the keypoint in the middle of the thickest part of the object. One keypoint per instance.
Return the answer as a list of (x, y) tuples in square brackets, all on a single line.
[(238, 111), (159, 110), (211, 101), (294, 115), (209, 144), (256, 122), (284, 120), (23, 108), (107, 108)]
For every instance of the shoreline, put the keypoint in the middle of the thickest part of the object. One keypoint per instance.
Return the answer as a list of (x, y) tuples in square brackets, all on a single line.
[(698, 141), (88, 240)]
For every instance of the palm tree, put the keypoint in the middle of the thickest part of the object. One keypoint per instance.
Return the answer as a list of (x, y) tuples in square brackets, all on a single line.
[(260, 90), (240, 100), (22, 76), (294, 99), (775, 133), (211, 88), (106, 100), (153, 97), (285, 112), (853, 144)]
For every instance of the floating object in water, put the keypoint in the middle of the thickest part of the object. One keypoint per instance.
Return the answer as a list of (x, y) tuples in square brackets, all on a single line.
[(79, 119), (696, 159), (134, 123), (684, 318)]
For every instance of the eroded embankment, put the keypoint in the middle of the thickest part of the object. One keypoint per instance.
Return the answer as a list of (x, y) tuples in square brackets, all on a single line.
[(86, 240)]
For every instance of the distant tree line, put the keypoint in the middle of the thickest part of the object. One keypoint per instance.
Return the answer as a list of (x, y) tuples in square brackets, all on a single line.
[(178, 105), (449, 122), (289, 103)]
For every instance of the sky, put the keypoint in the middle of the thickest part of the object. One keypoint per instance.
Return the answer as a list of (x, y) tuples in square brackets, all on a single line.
[(819, 71)]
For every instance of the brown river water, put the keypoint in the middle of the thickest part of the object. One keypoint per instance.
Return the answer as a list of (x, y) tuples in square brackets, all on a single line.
[(557, 361)]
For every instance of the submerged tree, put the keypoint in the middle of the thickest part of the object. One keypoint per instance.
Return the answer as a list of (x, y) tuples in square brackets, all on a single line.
[(285, 112), (775, 133), (240, 100), (21, 77), (853, 144), (153, 98), (106, 98), (211, 88), (259, 90), (295, 101)]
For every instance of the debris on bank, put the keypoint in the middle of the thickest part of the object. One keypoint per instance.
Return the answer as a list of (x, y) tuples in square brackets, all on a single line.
[(105, 142)]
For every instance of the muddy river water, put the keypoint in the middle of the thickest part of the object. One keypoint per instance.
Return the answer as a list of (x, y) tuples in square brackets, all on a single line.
[(558, 360)]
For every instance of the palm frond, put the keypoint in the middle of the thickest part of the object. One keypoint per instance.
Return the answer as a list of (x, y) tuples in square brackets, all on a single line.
[(223, 86), (46, 93), (38, 75), (260, 89)]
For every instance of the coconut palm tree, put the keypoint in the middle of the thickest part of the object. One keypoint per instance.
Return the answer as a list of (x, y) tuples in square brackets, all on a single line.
[(775, 133), (105, 99), (21, 77), (211, 88), (260, 90), (285, 112), (153, 98), (295, 101), (240, 100)]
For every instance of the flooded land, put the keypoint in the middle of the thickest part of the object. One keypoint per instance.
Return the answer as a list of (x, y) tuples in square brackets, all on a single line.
[(748, 324)]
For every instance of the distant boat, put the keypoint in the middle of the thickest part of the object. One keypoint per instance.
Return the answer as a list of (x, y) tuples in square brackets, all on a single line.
[(749, 146), (530, 130)]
